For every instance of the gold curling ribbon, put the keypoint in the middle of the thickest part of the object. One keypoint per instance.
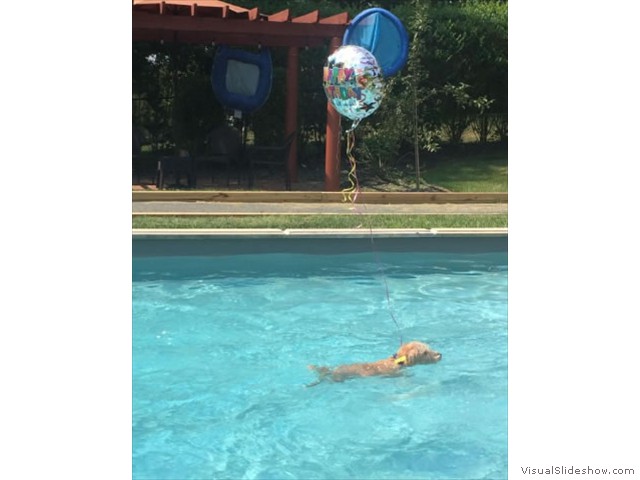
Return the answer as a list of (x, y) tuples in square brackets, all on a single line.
[(351, 192)]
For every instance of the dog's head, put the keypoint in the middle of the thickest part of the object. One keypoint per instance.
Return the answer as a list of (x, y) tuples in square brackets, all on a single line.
[(418, 353)]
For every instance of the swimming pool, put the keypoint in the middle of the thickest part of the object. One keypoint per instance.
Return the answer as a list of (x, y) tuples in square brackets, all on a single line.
[(223, 331)]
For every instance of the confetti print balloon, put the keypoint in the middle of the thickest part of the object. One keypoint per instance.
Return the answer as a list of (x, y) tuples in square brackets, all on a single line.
[(353, 82)]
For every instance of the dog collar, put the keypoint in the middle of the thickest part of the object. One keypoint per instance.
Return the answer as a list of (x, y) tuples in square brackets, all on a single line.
[(399, 360)]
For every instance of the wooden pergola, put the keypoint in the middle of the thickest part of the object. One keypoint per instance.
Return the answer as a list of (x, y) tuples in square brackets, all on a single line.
[(208, 22)]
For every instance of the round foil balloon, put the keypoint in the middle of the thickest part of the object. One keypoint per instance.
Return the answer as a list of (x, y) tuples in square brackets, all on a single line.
[(353, 82)]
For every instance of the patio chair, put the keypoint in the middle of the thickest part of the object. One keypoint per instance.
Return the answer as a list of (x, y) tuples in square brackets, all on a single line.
[(272, 155), (223, 146), (136, 151), (177, 165), (143, 162)]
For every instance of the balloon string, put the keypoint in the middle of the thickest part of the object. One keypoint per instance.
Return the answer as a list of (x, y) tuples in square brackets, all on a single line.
[(351, 192), (386, 285)]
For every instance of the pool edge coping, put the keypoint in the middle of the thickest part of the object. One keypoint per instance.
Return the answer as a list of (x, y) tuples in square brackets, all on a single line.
[(165, 233)]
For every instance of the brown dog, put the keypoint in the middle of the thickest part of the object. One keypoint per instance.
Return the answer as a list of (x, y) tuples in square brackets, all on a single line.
[(409, 354)]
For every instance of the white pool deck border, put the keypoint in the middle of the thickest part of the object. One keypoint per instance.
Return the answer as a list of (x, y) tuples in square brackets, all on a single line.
[(317, 233)]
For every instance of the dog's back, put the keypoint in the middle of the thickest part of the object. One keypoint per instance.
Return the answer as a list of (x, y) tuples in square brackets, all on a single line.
[(409, 354)]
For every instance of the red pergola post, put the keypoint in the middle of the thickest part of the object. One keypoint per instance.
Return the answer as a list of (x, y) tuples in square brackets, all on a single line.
[(291, 115), (332, 147)]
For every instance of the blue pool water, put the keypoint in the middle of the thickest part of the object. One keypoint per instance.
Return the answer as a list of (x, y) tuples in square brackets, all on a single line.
[(221, 345)]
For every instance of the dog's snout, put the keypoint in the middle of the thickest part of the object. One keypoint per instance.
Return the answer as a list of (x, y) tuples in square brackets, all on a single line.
[(438, 356)]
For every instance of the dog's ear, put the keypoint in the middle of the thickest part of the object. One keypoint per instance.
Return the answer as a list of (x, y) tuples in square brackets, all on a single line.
[(412, 351), (412, 354), (408, 351)]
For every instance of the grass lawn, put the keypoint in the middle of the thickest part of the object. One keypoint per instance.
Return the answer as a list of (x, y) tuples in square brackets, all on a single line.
[(325, 221), (478, 173)]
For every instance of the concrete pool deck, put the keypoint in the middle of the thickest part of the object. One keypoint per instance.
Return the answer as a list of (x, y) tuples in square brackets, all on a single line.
[(315, 203)]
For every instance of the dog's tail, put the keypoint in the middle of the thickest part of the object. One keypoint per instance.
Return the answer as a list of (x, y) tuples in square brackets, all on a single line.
[(323, 373)]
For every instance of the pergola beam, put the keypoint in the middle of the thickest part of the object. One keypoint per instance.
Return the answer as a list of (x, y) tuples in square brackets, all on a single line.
[(311, 17), (283, 16), (211, 29), (339, 19)]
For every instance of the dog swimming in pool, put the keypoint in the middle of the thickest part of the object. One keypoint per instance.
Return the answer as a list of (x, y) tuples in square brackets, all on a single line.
[(408, 355)]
